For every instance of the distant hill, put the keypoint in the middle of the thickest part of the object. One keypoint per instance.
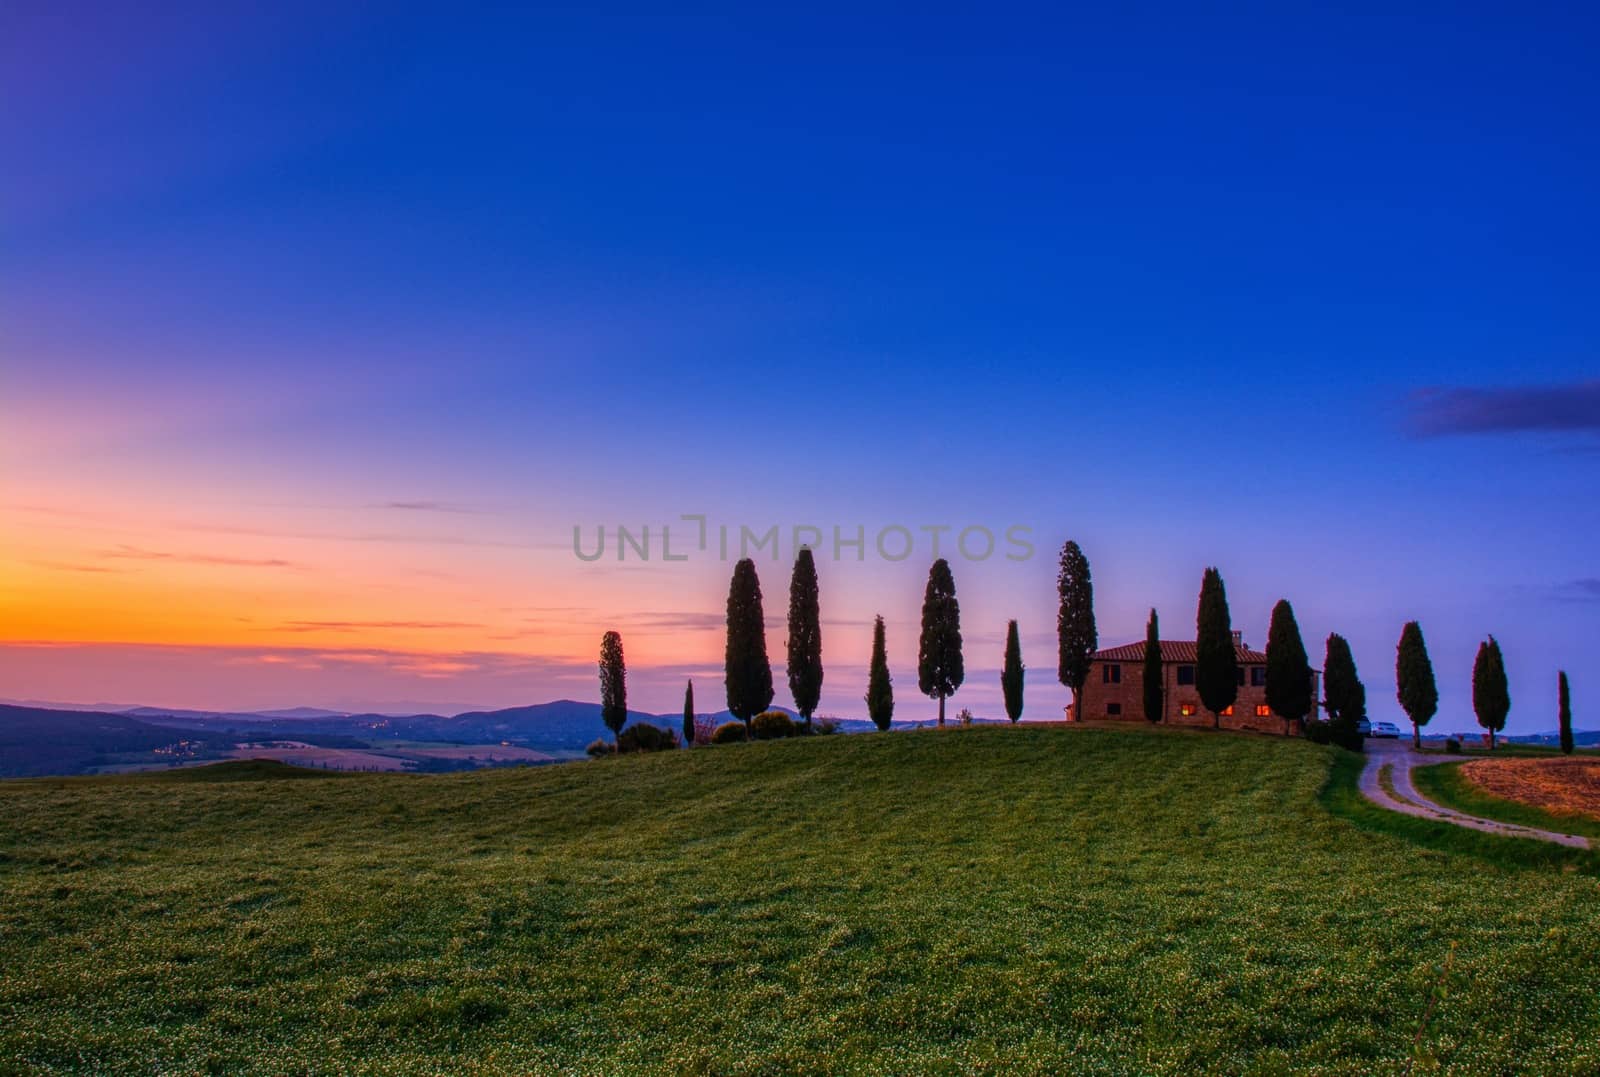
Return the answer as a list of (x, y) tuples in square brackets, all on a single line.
[(35, 741), (40, 740), (1584, 737), (291, 713)]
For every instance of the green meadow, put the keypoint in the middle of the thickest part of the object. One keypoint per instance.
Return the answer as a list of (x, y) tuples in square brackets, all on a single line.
[(988, 900)]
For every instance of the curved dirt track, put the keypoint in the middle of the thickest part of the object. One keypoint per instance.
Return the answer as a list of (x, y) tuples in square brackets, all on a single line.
[(1398, 759)]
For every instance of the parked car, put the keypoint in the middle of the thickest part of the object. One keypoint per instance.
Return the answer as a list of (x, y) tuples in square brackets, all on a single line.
[(1364, 727), (1386, 729)]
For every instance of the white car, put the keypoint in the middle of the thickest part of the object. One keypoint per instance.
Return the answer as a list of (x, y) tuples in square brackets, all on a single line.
[(1386, 729)]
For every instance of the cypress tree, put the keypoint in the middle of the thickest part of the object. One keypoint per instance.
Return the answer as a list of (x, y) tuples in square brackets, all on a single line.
[(613, 686), (939, 666), (1346, 695), (1491, 697), (880, 690), (1216, 665), (1288, 671), (688, 713), (1011, 673), (1564, 709), (1075, 623), (1155, 690), (805, 636), (748, 675), (1414, 685)]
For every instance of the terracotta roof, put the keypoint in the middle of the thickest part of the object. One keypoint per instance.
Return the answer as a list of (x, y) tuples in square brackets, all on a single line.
[(1172, 650)]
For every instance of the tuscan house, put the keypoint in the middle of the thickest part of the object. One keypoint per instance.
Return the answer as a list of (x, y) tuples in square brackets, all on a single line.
[(1115, 689)]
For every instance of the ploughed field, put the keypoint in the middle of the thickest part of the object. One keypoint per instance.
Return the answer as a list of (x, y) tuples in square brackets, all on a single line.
[(985, 900), (1561, 785)]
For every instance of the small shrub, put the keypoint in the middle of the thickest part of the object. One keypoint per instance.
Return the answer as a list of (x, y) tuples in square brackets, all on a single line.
[(598, 747), (825, 727), (728, 733), (704, 727), (644, 737), (964, 718), (772, 725), (1452, 746), (1346, 736), (1319, 732)]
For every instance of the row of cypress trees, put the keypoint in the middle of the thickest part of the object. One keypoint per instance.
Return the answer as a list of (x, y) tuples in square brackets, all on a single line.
[(1289, 682), (941, 668)]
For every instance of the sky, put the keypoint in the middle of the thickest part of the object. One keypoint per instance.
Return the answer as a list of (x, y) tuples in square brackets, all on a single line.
[(323, 328)]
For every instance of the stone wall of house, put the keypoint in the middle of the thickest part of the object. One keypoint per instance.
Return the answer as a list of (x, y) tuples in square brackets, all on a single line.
[(1119, 695)]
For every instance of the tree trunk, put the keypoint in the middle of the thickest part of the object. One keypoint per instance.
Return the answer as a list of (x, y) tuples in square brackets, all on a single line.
[(1216, 719), (1416, 736), (1491, 740), (1077, 704), (941, 712)]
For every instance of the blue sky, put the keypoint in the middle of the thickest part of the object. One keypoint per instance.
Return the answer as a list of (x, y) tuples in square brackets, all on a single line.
[(1309, 296)]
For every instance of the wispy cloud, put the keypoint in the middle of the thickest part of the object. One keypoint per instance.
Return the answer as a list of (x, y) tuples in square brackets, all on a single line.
[(67, 566), (1569, 408), (134, 553), (356, 626), (432, 506), (1584, 590)]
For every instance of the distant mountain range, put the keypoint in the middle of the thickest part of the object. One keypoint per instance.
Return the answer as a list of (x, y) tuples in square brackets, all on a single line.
[(42, 741)]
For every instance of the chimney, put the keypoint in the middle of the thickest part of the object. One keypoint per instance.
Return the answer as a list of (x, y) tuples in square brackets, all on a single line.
[(1238, 639)]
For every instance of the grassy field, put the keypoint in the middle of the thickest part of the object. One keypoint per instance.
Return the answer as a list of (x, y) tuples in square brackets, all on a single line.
[(986, 900)]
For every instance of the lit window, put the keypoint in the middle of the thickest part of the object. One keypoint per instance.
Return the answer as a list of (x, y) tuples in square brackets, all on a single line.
[(1187, 710), (1113, 708), (1110, 674), (1263, 711), (1185, 674), (1227, 712)]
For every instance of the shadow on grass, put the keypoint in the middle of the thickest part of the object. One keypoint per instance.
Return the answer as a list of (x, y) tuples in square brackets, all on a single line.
[(1341, 795)]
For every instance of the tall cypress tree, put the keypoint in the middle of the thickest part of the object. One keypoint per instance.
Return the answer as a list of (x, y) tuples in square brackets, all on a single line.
[(1564, 711), (1075, 627), (1155, 689), (1011, 673), (1346, 696), (748, 675), (1216, 663), (880, 690), (1288, 671), (1414, 685), (688, 714), (613, 685), (939, 665), (805, 636), (1491, 697)]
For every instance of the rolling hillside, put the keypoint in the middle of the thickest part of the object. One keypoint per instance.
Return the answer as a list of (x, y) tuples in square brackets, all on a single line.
[(35, 741), (1032, 900)]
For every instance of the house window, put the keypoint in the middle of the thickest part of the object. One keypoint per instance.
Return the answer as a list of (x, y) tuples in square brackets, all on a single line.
[(1186, 709), (1185, 674), (1110, 674), (1113, 709), (1240, 671), (1227, 712), (1258, 676), (1263, 711)]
